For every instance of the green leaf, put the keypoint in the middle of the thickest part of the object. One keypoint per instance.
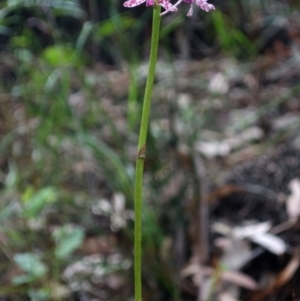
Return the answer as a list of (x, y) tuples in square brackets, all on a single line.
[(67, 240), (107, 28), (86, 30), (11, 180), (35, 202), (60, 56), (31, 264), (19, 280), (42, 294)]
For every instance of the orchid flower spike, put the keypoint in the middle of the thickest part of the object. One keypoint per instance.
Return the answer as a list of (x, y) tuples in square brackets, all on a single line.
[(169, 7), (164, 3)]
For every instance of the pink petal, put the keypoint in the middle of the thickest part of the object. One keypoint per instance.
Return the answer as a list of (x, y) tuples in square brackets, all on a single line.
[(167, 5), (190, 12), (204, 5), (133, 3)]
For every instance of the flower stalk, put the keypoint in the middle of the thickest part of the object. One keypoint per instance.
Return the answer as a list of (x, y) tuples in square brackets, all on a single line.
[(141, 155), (140, 160)]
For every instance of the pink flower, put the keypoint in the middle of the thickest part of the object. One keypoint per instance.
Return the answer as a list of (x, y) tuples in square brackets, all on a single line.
[(164, 3), (201, 3)]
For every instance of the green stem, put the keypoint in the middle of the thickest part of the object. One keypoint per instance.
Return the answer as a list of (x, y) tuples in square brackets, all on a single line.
[(142, 153)]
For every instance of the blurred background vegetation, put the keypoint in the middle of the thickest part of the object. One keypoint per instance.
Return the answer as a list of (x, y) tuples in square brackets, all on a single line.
[(72, 80)]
